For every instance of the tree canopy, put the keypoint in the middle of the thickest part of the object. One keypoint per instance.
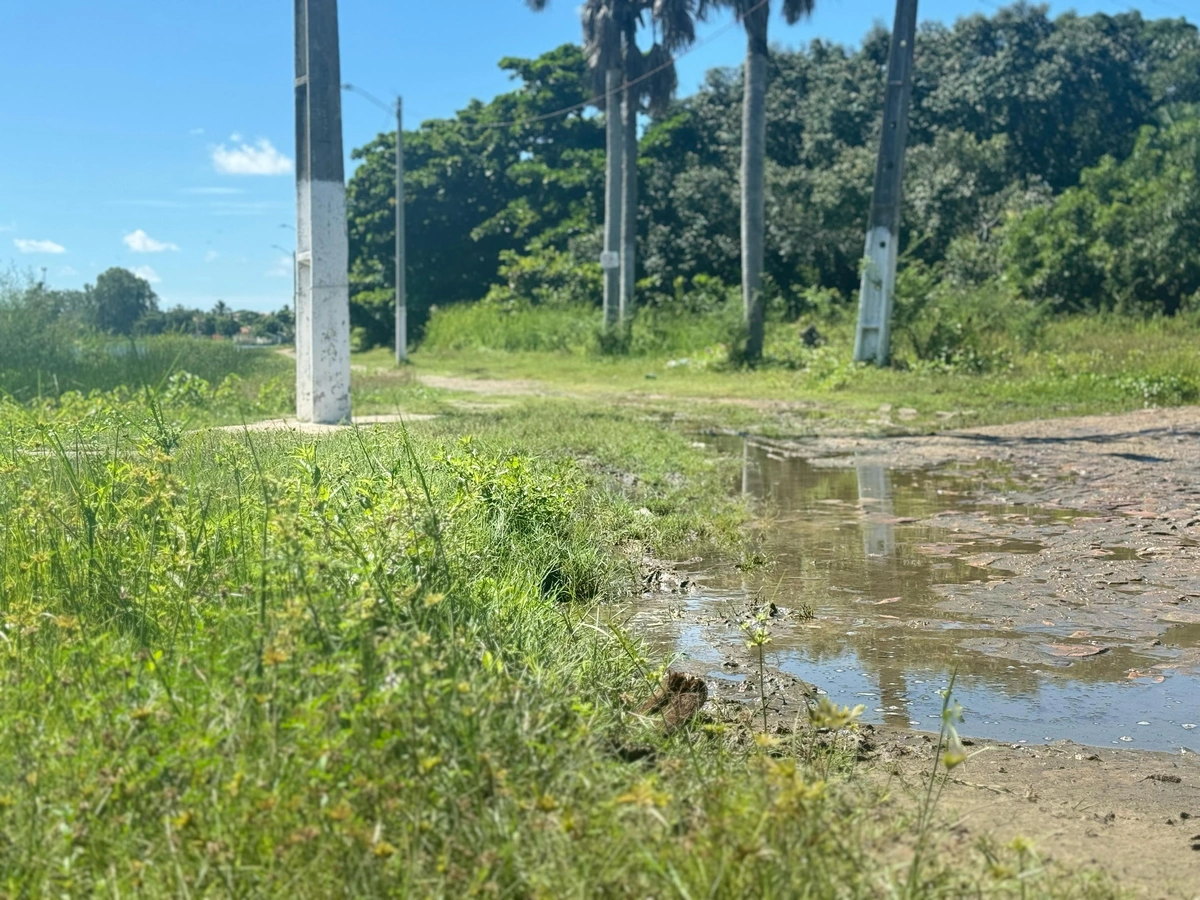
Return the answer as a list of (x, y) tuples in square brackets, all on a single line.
[(119, 299), (1014, 115)]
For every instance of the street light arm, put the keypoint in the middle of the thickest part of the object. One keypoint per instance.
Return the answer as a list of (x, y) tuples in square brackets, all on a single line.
[(366, 95)]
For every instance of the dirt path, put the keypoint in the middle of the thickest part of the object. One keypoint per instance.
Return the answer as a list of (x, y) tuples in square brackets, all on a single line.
[(295, 425), (1092, 532), (1132, 814), (500, 387), (1137, 475)]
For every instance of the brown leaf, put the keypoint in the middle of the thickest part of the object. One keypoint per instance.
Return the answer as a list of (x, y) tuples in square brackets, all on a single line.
[(1075, 651)]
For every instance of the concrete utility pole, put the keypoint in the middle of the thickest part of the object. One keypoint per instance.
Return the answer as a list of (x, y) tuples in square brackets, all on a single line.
[(614, 190), (401, 272), (322, 244), (629, 194), (873, 337)]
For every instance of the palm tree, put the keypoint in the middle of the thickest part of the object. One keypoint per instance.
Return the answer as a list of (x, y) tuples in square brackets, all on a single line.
[(602, 46), (650, 83), (755, 15), (610, 44)]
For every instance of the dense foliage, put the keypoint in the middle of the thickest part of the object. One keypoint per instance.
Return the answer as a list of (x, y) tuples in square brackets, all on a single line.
[(1125, 238), (53, 342), (1009, 112), (477, 189)]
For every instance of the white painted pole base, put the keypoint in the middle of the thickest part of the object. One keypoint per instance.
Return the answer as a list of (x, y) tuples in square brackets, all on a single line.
[(872, 339), (875, 496), (322, 305)]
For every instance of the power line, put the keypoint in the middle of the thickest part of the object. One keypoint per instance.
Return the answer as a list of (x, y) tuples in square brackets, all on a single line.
[(591, 101), (369, 96)]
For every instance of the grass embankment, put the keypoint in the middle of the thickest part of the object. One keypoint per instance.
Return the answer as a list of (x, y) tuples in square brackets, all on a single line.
[(1071, 366), (375, 664)]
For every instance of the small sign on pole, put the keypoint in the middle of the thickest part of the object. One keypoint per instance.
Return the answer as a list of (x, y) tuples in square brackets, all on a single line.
[(610, 259)]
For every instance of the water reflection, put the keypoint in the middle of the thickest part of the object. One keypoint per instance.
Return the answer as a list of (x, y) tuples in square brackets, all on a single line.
[(875, 499), (884, 559)]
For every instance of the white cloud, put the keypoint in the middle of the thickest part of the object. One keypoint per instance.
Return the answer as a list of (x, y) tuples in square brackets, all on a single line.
[(260, 159), (211, 256), (8, 227), (147, 273), (196, 131), (214, 191), (25, 245), (66, 272), (140, 242), (236, 137)]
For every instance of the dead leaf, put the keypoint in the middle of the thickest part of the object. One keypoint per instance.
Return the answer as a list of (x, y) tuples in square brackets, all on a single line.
[(1075, 651)]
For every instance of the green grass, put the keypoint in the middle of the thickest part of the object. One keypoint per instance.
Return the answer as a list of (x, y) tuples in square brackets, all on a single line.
[(245, 664), (93, 363), (1073, 366)]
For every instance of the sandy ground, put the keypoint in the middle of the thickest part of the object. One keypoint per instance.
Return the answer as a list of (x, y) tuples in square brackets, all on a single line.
[(1132, 814), (1120, 567), (299, 427)]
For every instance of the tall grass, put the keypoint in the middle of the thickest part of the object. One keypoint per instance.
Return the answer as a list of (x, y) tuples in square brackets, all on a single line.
[(576, 328), (44, 353), (247, 665)]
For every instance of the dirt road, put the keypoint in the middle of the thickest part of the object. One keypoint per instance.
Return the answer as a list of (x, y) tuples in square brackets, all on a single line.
[(1091, 528)]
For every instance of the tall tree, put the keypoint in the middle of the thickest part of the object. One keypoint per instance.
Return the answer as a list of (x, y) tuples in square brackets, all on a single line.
[(602, 40), (476, 187), (119, 299), (650, 79), (755, 16)]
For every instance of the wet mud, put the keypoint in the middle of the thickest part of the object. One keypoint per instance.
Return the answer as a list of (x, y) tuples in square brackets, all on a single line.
[(1055, 566)]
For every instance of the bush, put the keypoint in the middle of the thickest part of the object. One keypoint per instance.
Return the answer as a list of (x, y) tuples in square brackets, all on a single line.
[(45, 353), (516, 326), (1126, 239), (547, 277), (964, 328)]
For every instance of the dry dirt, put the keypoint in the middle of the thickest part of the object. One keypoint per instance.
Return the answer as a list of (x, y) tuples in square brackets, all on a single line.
[(299, 427), (1134, 481), (1132, 814)]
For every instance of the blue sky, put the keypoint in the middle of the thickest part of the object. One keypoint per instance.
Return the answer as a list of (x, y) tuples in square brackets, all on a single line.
[(158, 135)]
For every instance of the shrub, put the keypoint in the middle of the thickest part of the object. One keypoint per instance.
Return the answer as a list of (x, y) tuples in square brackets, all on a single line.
[(1126, 239)]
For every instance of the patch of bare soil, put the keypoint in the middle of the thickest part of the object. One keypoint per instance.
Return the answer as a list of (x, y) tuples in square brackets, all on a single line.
[(1130, 813), (295, 425), (1104, 513), (513, 387)]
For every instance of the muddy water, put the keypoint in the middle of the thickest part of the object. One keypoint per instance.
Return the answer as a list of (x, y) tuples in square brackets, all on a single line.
[(883, 581)]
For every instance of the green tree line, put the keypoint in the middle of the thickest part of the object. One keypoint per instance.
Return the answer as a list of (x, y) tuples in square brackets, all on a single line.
[(1057, 157)]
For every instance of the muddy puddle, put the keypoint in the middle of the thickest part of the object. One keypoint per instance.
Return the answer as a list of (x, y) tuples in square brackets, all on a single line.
[(1060, 622)]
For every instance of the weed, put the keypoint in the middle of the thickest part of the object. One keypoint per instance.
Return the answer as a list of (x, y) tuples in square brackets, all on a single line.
[(253, 664)]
